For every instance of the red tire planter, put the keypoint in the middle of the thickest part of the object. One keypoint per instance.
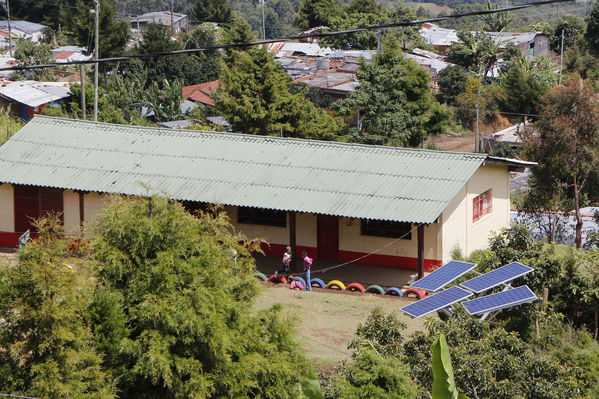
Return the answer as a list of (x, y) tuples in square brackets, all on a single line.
[(414, 292), (277, 279), (356, 287)]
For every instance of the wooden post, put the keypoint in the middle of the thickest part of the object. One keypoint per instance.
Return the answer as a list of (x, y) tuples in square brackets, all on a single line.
[(420, 251), (292, 241), (81, 209)]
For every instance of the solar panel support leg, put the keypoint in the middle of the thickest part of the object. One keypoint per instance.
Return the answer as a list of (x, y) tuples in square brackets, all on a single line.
[(420, 251)]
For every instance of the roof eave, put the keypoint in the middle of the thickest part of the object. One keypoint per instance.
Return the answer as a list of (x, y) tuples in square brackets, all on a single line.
[(515, 165)]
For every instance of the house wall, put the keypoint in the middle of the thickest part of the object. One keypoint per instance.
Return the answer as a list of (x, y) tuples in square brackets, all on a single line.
[(70, 203), (541, 45), (458, 228), (94, 203)]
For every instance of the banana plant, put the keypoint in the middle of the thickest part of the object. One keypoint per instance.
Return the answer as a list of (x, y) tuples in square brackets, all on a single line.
[(444, 386)]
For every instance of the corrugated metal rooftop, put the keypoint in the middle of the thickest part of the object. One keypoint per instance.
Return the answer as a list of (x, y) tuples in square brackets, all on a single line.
[(361, 181)]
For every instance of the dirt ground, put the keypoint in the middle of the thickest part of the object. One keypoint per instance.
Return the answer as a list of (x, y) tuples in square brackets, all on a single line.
[(327, 320), (455, 143)]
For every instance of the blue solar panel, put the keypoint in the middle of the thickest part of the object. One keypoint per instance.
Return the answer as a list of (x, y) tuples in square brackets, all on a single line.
[(435, 302), (496, 277), (500, 300), (443, 275)]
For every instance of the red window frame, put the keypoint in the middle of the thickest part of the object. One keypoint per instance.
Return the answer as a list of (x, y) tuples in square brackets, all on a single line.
[(481, 205)]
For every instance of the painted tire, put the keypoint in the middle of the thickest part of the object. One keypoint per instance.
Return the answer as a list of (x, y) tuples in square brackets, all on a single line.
[(393, 291), (277, 279), (375, 289), (261, 276), (318, 283), (335, 284), (414, 292), (301, 280), (356, 287)]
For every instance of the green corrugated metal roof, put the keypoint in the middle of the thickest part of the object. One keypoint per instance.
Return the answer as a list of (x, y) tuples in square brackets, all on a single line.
[(361, 181)]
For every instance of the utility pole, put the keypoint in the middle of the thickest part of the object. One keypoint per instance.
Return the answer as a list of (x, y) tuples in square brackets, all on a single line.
[(82, 73), (561, 58), (6, 6), (477, 131), (263, 26), (172, 19), (96, 65)]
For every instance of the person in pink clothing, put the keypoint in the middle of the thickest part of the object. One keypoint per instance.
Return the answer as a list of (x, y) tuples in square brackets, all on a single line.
[(307, 266)]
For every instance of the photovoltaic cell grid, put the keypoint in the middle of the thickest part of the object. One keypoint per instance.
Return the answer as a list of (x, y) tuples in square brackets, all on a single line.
[(496, 277), (443, 276), (500, 300), (435, 302)]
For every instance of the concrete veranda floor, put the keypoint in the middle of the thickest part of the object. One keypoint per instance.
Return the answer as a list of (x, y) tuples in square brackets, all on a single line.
[(352, 273)]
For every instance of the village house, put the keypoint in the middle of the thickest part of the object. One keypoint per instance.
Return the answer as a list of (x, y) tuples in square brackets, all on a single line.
[(176, 21), (27, 98), (394, 207)]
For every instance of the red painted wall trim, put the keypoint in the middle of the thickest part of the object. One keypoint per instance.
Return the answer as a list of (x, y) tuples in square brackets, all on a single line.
[(9, 240), (398, 262)]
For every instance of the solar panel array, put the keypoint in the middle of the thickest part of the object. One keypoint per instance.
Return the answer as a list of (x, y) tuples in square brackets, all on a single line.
[(436, 302), (443, 276), (496, 277), (500, 300)]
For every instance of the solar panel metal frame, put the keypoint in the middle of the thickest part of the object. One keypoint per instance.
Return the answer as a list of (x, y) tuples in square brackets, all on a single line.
[(435, 276), (505, 295), (436, 297), (498, 271)]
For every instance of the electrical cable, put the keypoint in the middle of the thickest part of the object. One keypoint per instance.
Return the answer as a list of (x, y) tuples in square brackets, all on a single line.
[(6, 395), (326, 269), (320, 343), (285, 39)]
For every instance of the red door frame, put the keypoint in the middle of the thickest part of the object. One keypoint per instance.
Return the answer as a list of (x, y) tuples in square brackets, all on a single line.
[(327, 237)]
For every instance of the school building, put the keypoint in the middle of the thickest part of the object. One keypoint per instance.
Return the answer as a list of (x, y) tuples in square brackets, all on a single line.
[(395, 207)]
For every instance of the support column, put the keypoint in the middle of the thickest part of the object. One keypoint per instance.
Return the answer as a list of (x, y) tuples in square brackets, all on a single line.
[(81, 209), (292, 241), (420, 251)]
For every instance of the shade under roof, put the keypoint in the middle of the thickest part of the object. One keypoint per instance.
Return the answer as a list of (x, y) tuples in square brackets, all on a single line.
[(351, 180)]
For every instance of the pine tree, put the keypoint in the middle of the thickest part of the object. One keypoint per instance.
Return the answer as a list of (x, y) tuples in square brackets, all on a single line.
[(218, 11), (591, 35), (313, 13), (255, 98), (48, 350)]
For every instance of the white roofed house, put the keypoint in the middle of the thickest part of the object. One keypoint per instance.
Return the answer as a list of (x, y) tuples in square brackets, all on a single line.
[(28, 98), (393, 207), (24, 29), (177, 21)]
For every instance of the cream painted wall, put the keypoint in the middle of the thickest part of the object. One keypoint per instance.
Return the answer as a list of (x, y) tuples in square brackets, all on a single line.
[(7, 208), (350, 239), (458, 227), (94, 203), (71, 212), (305, 229)]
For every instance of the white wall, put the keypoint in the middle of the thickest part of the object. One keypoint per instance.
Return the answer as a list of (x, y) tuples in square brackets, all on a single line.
[(71, 212), (459, 229), (7, 208), (94, 203)]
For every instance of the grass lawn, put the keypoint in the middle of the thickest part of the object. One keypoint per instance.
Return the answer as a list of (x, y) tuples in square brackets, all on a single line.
[(327, 320)]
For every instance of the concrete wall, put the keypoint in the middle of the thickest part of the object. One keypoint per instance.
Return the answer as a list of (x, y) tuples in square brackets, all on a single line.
[(70, 201), (458, 228), (7, 208), (94, 203)]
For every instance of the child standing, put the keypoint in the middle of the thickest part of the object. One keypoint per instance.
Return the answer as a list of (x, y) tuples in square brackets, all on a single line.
[(286, 261), (307, 267)]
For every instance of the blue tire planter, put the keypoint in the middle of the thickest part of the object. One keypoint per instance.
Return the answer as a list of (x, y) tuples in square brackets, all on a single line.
[(301, 280), (318, 283), (393, 291)]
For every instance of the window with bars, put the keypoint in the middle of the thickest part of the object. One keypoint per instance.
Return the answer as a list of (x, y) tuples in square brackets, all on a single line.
[(481, 205), (383, 228), (265, 217)]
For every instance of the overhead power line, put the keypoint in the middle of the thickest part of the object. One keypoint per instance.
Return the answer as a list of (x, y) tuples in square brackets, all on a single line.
[(285, 39)]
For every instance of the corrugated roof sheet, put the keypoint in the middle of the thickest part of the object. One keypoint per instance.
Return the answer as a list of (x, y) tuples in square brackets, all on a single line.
[(371, 182)]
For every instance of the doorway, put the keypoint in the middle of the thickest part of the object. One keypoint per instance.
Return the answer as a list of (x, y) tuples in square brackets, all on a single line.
[(327, 237)]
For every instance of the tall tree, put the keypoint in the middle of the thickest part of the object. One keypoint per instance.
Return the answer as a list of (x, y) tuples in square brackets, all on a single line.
[(497, 22), (572, 27), (393, 101), (452, 81), (524, 86), (566, 146), (476, 51), (255, 97), (114, 32), (176, 316), (47, 347), (30, 53), (591, 36), (313, 13), (218, 11)]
